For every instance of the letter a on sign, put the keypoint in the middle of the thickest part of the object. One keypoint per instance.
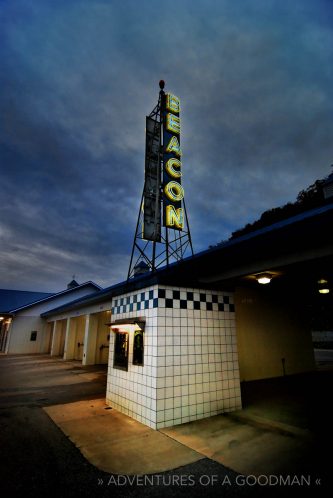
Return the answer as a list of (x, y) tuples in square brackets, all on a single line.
[(174, 146)]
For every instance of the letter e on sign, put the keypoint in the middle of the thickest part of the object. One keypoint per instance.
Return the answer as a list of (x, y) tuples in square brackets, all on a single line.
[(173, 123)]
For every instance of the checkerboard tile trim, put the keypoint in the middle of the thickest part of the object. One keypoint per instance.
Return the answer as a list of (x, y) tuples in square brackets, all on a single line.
[(159, 298)]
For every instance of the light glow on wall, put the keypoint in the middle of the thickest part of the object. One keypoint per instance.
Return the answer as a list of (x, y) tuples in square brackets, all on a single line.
[(125, 328)]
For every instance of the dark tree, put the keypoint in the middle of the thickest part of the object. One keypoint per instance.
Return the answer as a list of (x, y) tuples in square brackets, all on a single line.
[(309, 198)]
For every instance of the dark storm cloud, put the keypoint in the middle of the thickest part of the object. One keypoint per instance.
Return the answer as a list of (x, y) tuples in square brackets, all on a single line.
[(267, 126), (79, 77)]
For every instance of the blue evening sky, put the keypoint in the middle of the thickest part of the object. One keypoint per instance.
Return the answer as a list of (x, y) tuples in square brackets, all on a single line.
[(255, 79)]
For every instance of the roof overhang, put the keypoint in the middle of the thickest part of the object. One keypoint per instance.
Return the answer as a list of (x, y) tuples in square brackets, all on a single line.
[(299, 246)]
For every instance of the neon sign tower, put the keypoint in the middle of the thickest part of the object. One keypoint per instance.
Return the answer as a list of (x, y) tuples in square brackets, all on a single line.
[(162, 232)]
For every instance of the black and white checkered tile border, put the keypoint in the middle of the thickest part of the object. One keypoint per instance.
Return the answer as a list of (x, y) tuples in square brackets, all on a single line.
[(157, 299)]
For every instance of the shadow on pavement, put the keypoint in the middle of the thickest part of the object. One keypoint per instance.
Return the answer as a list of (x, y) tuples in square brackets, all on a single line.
[(37, 459)]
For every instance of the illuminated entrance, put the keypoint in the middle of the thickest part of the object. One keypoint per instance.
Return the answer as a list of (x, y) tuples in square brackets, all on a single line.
[(122, 330)]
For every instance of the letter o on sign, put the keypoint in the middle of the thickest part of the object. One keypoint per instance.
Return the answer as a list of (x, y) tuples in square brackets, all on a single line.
[(174, 191)]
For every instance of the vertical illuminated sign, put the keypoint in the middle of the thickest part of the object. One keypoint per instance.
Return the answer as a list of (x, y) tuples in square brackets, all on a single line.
[(173, 192)]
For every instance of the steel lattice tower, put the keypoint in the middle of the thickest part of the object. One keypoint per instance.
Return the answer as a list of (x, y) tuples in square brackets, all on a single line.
[(165, 244)]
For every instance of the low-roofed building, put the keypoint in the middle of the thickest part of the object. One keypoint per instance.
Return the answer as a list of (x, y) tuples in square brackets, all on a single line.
[(22, 329)]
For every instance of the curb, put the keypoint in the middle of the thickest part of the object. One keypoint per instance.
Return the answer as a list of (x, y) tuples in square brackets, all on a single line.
[(270, 425)]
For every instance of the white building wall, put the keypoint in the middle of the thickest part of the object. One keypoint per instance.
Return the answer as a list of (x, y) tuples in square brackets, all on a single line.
[(104, 307), (19, 339), (27, 320), (190, 357), (56, 301), (134, 392)]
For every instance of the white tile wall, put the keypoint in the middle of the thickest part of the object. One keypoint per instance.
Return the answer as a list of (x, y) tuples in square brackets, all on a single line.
[(190, 358)]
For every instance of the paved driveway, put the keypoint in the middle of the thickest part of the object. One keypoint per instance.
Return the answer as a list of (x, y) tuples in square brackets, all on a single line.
[(38, 458)]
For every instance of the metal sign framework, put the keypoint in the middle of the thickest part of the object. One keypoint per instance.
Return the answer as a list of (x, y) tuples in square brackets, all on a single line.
[(166, 245)]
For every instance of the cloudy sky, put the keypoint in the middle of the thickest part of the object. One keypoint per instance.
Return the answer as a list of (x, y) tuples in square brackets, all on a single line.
[(255, 79)]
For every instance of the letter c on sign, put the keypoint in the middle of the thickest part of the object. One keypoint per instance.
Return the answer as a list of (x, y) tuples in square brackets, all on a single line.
[(170, 167)]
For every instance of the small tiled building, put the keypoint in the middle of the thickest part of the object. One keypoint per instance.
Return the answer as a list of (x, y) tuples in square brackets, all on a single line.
[(189, 362)]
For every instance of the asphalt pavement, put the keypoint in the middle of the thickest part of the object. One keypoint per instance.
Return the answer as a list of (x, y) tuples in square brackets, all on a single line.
[(39, 458)]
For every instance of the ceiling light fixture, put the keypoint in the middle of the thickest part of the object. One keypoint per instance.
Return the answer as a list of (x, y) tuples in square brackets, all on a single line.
[(126, 325), (264, 278), (323, 286)]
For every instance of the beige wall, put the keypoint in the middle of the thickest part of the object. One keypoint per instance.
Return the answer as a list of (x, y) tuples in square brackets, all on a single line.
[(103, 338), (91, 331), (270, 326), (20, 332), (79, 337)]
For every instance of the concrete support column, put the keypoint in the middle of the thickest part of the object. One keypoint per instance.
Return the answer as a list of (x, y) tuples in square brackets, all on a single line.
[(70, 338), (90, 340), (47, 338), (8, 330), (56, 337)]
